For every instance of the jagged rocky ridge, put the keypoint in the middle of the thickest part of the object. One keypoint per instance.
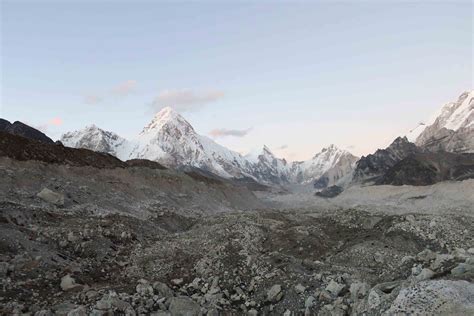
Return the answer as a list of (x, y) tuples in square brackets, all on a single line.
[(375, 165), (430, 153), (406, 163), (171, 140)]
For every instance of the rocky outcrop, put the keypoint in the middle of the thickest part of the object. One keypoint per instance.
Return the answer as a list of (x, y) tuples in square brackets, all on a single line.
[(21, 148), (450, 297), (374, 166), (51, 197), (21, 129), (330, 192), (429, 168)]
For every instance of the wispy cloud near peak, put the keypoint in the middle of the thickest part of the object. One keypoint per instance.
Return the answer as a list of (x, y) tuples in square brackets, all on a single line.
[(125, 88), (222, 132), (185, 100)]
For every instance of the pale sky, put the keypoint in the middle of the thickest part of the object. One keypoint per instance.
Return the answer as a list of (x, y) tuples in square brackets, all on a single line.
[(296, 76)]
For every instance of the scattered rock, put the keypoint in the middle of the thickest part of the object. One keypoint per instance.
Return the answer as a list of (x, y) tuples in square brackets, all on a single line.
[(144, 288), (426, 255), (274, 294), (359, 290), (177, 282), (335, 288), (51, 197), (310, 300), (68, 283), (79, 311), (442, 262), (252, 312), (425, 274), (162, 289), (463, 268), (184, 306), (300, 288)]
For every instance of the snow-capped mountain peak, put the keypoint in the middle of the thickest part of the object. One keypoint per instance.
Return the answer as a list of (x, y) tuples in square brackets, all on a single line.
[(168, 117), (94, 138), (171, 140), (451, 128), (322, 161)]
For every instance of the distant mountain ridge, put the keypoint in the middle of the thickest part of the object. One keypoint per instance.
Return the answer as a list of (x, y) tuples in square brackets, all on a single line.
[(171, 140), (438, 150), (431, 152)]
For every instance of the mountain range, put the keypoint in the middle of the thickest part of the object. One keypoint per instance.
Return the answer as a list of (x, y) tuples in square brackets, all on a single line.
[(172, 141), (439, 149)]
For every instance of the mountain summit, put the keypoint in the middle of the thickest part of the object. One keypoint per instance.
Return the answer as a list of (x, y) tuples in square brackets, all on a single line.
[(450, 129)]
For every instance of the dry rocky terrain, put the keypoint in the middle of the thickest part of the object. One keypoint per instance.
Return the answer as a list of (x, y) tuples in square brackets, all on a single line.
[(136, 239)]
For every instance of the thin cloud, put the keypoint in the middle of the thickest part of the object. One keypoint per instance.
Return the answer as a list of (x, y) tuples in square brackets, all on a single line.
[(92, 99), (44, 127), (125, 88), (121, 90), (282, 147), (185, 100), (57, 121), (222, 132)]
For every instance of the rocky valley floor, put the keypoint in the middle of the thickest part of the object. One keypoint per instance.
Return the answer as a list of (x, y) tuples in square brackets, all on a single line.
[(143, 241)]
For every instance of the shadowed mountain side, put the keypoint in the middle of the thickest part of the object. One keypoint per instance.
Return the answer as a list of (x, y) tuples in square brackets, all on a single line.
[(21, 129), (430, 168)]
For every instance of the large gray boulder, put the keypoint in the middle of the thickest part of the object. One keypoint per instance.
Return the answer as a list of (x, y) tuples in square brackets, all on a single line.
[(438, 297)]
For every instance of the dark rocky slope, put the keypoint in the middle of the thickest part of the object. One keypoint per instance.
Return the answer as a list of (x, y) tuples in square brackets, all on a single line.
[(21, 129), (375, 165), (430, 168), (21, 148)]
